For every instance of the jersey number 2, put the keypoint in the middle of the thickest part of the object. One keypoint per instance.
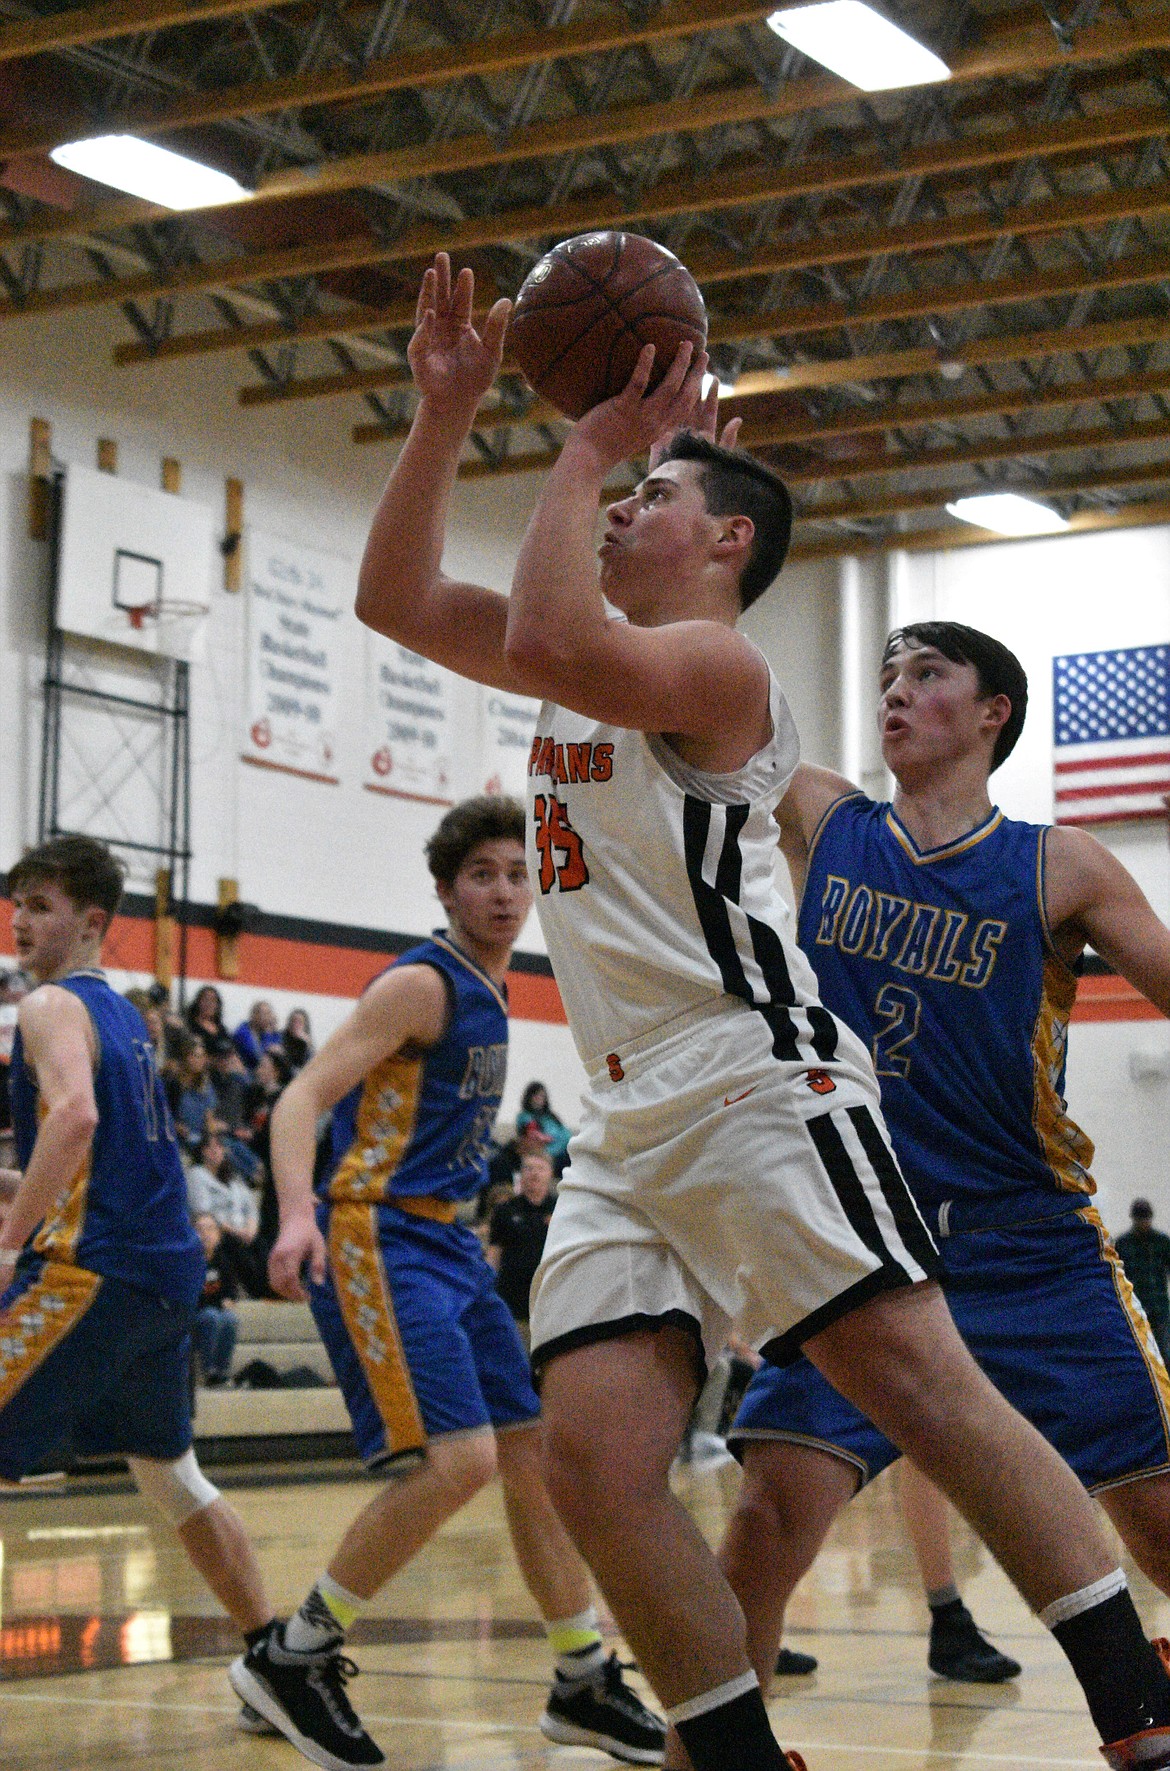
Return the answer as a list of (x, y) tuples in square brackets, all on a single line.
[(562, 858), (901, 1010)]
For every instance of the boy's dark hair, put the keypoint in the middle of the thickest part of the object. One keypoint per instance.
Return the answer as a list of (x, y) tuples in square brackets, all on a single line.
[(999, 670), (486, 819), (90, 876), (735, 484)]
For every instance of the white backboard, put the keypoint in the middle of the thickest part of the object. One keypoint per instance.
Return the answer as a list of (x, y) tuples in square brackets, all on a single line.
[(135, 565)]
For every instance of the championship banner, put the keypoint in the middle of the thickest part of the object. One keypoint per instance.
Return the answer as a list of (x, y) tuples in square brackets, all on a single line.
[(409, 724), (507, 726), (296, 596)]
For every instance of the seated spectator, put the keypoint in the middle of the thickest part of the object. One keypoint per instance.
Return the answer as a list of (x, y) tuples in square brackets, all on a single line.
[(215, 1326), (194, 1106), (516, 1235), (297, 1041), (264, 1091), (1145, 1254), (229, 1079), (504, 1162), (535, 1110), (13, 986), (214, 1186), (175, 1029), (257, 1035), (205, 1015)]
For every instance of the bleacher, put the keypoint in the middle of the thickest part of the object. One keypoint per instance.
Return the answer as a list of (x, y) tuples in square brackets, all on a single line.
[(274, 1423)]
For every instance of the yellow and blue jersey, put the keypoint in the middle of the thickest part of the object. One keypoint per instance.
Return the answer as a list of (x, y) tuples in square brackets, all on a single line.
[(124, 1214), (420, 1123), (942, 961)]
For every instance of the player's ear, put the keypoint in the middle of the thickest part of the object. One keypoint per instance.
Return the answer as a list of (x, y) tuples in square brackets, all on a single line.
[(997, 710), (735, 536)]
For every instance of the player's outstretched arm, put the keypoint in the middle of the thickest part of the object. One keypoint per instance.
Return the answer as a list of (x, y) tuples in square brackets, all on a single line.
[(1092, 899), (811, 792), (402, 589), (407, 1005), (60, 1048), (694, 678)]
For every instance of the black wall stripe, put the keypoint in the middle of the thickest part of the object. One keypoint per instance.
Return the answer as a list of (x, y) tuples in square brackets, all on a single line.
[(905, 1214), (830, 1147)]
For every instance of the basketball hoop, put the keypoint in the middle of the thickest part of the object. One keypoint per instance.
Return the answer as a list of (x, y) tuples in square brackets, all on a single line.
[(165, 609)]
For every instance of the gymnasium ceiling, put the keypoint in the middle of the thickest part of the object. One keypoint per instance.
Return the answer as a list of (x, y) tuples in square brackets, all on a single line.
[(916, 294)]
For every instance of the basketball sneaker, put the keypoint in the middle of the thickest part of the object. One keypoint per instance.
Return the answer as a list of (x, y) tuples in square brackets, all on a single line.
[(303, 1695), (603, 1711), (1147, 1751), (792, 1664), (959, 1649)]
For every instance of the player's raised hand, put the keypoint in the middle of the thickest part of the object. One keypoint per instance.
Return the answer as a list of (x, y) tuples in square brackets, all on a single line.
[(634, 420), (452, 363), (299, 1243), (703, 422)]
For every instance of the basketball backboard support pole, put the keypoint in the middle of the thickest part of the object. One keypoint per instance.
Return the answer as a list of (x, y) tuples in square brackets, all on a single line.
[(116, 763)]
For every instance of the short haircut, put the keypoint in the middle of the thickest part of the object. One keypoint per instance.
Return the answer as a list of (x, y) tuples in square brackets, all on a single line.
[(735, 484), (90, 876), (999, 670), (1141, 1208), (490, 818)]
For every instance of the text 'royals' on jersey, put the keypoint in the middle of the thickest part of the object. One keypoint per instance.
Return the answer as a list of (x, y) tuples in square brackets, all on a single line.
[(421, 1121), (655, 886), (942, 960), (125, 1213)]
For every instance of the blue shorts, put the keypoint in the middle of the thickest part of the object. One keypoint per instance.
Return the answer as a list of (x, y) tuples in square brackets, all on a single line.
[(420, 1339), (89, 1365), (1048, 1313)]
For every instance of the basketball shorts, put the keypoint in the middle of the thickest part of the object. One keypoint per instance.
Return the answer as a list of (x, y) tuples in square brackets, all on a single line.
[(89, 1365), (712, 1185), (420, 1339), (1048, 1313)]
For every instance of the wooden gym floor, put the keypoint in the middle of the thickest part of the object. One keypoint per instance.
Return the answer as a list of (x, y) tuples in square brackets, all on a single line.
[(112, 1654)]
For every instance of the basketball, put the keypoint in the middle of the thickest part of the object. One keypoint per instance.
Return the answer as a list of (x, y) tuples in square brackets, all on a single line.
[(585, 311)]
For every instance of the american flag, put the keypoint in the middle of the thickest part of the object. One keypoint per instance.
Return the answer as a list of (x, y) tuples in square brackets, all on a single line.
[(1111, 712)]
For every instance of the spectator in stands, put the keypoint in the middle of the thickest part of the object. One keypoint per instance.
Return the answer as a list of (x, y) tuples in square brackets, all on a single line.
[(205, 1015), (148, 1008), (13, 986), (175, 1029), (257, 1035), (1146, 1255), (229, 1079), (194, 1105), (264, 1091), (216, 1326), (216, 1187), (535, 1110), (517, 1232), (297, 1042)]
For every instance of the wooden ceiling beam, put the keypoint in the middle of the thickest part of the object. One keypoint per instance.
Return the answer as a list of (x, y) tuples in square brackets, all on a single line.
[(892, 415), (115, 18), (823, 316), (1142, 515), (1148, 473), (629, 124), (1020, 448), (1019, 347), (407, 69)]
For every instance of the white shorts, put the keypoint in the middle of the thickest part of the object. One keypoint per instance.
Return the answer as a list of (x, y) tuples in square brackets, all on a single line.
[(715, 1187)]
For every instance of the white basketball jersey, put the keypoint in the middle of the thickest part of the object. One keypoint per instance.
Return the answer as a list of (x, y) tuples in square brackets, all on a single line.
[(655, 889)]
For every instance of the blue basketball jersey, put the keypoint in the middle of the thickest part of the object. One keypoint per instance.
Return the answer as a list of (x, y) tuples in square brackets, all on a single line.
[(421, 1122), (943, 963), (125, 1212)]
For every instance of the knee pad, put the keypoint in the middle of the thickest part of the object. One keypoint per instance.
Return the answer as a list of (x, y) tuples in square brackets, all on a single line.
[(179, 1490)]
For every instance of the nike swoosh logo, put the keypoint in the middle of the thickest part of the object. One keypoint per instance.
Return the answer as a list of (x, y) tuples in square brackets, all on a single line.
[(729, 1101)]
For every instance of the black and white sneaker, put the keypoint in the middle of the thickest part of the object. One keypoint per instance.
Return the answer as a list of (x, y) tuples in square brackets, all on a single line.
[(303, 1695), (602, 1711), (250, 1721)]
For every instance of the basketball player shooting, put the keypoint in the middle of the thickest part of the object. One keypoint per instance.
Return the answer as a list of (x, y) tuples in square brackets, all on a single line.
[(732, 1164)]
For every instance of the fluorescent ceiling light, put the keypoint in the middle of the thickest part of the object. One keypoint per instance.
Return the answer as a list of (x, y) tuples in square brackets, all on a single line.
[(853, 40), (146, 170), (1007, 513)]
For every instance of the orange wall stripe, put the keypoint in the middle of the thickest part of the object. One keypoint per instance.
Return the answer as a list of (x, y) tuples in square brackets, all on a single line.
[(275, 962)]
